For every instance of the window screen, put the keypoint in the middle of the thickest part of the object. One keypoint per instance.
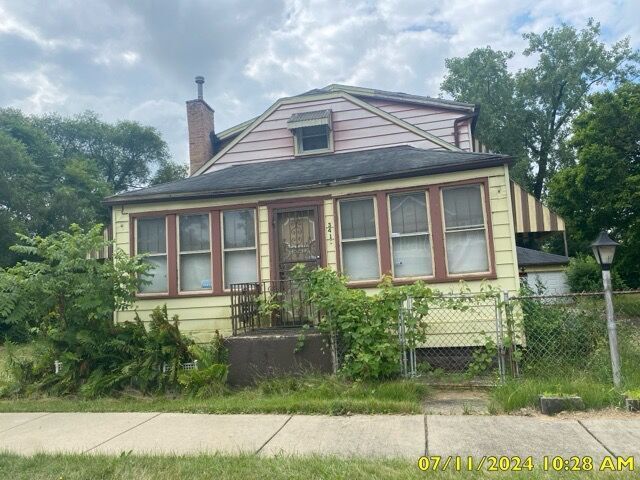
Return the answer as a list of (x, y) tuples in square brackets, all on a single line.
[(359, 240), (195, 253), (313, 138), (410, 241), (239, 247), (151, 240), (465, 230)]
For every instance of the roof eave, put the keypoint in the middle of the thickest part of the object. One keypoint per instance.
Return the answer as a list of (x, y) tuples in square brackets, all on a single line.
[(544, 264), (429, 103)]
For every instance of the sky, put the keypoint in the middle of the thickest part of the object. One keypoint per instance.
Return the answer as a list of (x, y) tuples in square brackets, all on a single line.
[(137, 60)]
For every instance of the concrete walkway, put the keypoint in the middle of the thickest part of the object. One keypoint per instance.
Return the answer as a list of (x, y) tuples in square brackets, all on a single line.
[(364, 435)]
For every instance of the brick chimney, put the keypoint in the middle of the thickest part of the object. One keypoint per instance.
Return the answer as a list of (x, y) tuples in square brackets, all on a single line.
[(200, 123)]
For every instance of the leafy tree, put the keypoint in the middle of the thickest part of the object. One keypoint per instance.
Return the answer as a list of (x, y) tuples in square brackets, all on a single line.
[(55, 171), (168, 172), (124, 153), (534, 106), (483, 77), (602, 190), (16, 168)]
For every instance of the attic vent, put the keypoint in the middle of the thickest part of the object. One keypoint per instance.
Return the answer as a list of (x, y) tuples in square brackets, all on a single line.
[(309, 119)]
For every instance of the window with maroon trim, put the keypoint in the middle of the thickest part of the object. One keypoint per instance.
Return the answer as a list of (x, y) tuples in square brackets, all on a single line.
[(239, 247), (359, 239), (199, 252), (410, 237), (465, 229), (439, 233), (194, 260), (151, 240)]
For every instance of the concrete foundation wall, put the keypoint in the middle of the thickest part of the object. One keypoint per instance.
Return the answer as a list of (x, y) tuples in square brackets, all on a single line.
[(253, 357)]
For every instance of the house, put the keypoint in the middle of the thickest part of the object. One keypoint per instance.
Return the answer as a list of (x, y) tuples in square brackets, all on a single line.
[(364, 181), (542, 270)]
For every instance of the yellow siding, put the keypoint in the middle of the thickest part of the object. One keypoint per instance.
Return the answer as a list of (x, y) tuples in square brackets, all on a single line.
[(330, 234), (263, 240), (201, 316)]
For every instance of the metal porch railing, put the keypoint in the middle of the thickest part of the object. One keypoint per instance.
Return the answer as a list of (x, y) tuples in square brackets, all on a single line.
[(269, 305)]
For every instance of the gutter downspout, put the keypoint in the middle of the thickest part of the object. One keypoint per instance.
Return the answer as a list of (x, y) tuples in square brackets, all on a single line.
[(456, 131)]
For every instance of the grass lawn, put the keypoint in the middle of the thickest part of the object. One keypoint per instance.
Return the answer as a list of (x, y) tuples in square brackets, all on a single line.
[(522, 393), (76, 467), (310, 396)]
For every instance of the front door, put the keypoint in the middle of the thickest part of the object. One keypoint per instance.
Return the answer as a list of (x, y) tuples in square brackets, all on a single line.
[(298, 239)]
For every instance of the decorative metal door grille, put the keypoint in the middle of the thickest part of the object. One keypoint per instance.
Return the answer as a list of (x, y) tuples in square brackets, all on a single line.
[(297, 236)]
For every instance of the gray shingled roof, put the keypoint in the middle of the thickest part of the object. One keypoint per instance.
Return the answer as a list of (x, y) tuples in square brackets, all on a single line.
[(528, 258), (313, 172)]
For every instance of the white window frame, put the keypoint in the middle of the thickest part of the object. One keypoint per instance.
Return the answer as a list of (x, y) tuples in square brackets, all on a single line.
[(361, 239), (298, 144), (427, 234), (165, 254), (179, 254), (473, 228), (239, 249)]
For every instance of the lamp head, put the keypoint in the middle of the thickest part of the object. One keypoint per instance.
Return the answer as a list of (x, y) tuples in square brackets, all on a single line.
[(604, 249)]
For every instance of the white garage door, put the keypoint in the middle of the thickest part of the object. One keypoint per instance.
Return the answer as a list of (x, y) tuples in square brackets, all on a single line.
[(553, 282)]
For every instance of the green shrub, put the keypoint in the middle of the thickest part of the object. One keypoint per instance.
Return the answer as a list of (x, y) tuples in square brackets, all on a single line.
[(585, 275), (60, 286), (67, 299), (366, 326), (561, 332), (104, 361), (210, 376), (204, 382)]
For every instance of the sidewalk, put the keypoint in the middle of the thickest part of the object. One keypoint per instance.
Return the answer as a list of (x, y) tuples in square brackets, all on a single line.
[(407, 436)]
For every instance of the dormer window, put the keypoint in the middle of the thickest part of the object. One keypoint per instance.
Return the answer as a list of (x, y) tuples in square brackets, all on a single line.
[(312, 132)]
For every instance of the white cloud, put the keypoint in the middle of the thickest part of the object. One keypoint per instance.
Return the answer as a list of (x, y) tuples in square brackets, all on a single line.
[(109, 57), (138, 59), (45, 90), (10, 25)]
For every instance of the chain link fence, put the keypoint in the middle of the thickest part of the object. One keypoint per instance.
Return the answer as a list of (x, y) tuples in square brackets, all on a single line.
[(464, 341), (490, 339), (566, 335)]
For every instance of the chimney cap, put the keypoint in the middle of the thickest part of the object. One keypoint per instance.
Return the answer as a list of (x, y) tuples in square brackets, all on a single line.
[(200, 79)]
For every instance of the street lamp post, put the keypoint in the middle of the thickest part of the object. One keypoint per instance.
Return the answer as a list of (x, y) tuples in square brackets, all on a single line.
[(604, 249)]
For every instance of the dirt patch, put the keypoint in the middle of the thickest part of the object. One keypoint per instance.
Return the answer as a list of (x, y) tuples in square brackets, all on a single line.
[(458, 402)]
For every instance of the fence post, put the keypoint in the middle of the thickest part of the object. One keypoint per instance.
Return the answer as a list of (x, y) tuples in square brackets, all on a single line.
[(511, 335), (333, 339), (401, 341), (499, 339), (611, 328), (412, 350)]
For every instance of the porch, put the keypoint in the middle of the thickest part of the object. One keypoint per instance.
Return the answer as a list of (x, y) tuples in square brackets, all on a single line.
[(270, 307), (269, 338)]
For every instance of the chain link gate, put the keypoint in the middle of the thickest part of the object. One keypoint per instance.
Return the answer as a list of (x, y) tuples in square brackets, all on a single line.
[(468, 343)]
